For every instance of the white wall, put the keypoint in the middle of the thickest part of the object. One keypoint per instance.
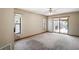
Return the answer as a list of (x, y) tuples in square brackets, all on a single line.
[(6, 26), (73, 22), (31, 23)]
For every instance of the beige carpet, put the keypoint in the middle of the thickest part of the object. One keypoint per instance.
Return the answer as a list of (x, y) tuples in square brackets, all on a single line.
[(48, 41)]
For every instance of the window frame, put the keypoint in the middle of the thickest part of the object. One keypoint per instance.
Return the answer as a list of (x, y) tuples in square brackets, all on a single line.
[(59, 19), (18, 24), (58, 24)]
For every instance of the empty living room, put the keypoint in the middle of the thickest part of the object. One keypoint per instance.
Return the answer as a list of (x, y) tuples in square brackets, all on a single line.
[(39, 28)]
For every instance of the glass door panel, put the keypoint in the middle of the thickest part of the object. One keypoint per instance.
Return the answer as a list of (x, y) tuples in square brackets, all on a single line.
[(56, 26), (63, 26)]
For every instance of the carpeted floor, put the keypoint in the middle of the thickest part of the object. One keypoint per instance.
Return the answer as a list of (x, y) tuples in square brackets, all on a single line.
[(48, 41)]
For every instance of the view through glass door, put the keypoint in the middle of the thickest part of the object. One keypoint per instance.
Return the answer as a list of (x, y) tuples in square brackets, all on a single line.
[(60, 25)]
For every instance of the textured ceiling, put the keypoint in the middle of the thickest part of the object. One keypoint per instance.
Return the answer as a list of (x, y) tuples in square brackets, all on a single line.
[(45, 11)]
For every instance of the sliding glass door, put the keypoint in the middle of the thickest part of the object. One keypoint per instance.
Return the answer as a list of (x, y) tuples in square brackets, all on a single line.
[(60, 25), (63, 26)]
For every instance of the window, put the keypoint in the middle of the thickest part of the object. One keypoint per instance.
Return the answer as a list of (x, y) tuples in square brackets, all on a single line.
[(56, 25), (50, 25), (44, 24), (17, 23), (61, 25)]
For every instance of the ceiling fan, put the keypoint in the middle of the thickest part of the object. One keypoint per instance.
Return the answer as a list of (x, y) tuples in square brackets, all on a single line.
[(51, 11)]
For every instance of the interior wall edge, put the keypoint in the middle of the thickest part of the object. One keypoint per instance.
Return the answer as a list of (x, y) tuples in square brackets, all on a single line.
[(30, 36)]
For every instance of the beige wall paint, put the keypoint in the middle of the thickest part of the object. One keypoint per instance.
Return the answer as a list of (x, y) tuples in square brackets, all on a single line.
[(31, 23), (73, 22), (6, 26)]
